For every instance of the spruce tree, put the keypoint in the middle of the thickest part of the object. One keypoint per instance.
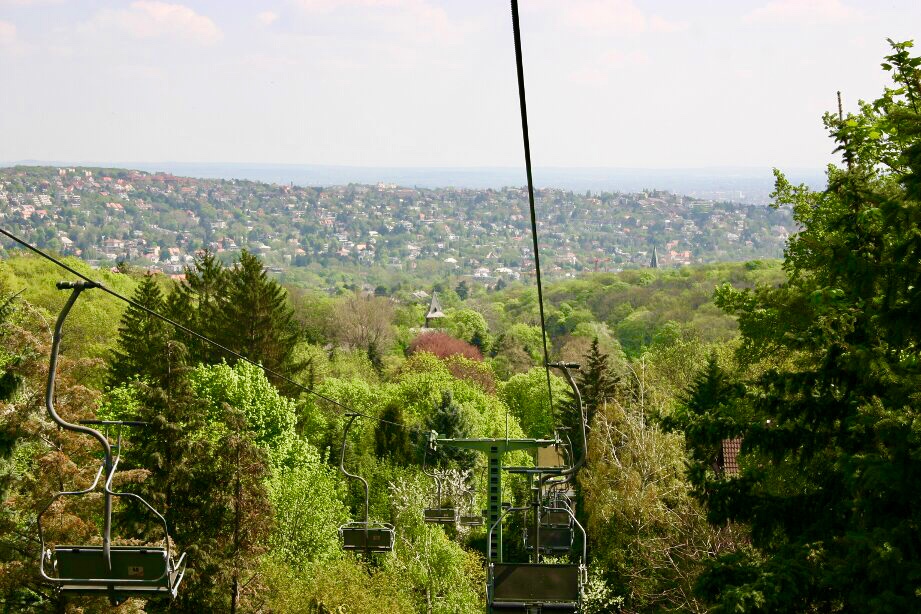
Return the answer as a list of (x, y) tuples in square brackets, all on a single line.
[(258, 322), (142, 338), (597, 385), (831, 456), (198, 303)]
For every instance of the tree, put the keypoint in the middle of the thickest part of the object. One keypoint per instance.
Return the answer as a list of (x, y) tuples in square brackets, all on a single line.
[(198, 303), (443, 345), (142, 338), (257, 321), (830, 459), (365, 323), (462, 290), (526, 396), (450, 421), (391, 438), (597, 385)]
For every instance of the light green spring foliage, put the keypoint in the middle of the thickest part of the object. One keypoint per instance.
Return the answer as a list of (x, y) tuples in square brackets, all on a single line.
[(450, 577), (526, 397), (343, 585), (270, 416), (308, 507), (468, 325), (92, 325)]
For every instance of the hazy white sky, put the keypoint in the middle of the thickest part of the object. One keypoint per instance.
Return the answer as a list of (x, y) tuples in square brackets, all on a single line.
[(621, 83)]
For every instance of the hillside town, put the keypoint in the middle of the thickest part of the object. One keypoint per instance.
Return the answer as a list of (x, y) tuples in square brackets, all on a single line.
[(159, 221)]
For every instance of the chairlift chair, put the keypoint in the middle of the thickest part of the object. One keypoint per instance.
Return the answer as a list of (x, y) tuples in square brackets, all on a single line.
[(363, 536), (528, 588), (438, 514), (471, 519), (119, 572)]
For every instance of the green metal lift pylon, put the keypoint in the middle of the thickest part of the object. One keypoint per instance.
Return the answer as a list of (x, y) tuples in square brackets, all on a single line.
[(495, 449)]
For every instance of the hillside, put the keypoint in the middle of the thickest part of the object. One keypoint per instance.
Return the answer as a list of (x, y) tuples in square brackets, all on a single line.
[(377, 235)]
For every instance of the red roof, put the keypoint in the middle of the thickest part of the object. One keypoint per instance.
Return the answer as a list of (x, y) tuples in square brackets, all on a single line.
[(729, 456)]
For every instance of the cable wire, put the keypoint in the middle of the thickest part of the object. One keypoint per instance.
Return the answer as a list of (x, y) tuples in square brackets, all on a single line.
[(527, 164), (189, 331)]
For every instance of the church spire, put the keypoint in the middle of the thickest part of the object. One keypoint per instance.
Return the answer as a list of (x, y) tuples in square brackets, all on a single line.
[(654, 263)]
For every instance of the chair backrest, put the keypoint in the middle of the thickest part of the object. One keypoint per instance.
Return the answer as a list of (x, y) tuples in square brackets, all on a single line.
[(440, 514), (527, 582), (377, 539), (552, 539), (555, 518), (128, 563)]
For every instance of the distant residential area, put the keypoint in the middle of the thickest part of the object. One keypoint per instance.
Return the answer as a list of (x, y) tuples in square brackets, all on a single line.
[(159, 221)]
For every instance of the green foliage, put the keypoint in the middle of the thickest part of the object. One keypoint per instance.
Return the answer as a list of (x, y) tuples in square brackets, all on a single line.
[(143, 340), (526, 397), (270, 417), (470, 326), (308, 509), (831, 410)]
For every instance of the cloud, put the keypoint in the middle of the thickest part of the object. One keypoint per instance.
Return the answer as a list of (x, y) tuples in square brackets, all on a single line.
[(615, 16), (414, 19), (803, 11), (8, 35), (148, 19), (267, 18), (599, 72)]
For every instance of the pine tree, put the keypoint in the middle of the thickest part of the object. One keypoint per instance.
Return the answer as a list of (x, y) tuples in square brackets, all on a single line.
[(142, 338), (597, 385), (831, 457), (258, 322), (198, 303), (711, 394)]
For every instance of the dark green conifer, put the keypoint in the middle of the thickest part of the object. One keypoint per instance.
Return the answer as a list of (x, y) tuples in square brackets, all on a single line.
[(258, 322), (142, 338)]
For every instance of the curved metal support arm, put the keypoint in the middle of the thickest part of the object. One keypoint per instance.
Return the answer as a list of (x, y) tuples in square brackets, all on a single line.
[(498, 521), (345, 439), (92, 487), (77, 287), (577, 463)]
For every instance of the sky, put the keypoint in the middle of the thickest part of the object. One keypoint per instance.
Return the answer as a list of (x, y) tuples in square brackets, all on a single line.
[(431, 83)]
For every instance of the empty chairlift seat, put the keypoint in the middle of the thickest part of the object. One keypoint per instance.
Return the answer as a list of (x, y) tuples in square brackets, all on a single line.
[(472, 520), (525, 587), (553, 540), (440, 515), (135, 570), (371, 537)]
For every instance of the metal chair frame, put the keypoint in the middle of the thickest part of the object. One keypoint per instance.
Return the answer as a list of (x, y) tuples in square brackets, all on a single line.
[(369, 529), (437, 514), (525, 602), (116, 587)]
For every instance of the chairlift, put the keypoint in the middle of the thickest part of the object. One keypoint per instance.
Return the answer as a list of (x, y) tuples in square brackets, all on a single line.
[(533, 587), (527, 588), (471, 519), (119, 572), (363, 536), (438, 514)]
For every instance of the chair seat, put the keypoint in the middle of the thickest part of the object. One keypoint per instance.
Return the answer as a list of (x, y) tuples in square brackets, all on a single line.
[(551, 586), (135, 570), (374, 538), (472, 521), (440, 515)]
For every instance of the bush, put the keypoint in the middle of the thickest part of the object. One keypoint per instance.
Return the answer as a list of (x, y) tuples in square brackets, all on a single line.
[(443, 345)]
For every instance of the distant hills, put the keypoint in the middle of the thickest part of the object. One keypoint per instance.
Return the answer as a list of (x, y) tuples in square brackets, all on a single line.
[(741, 185)]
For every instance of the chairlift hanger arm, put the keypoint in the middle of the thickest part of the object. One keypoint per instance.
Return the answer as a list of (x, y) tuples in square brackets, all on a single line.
[(345, 439)]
